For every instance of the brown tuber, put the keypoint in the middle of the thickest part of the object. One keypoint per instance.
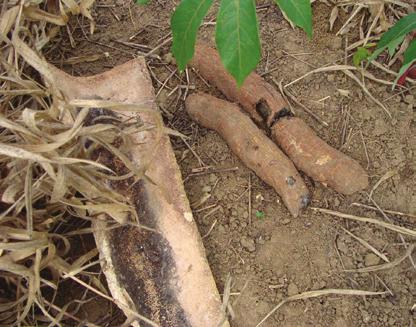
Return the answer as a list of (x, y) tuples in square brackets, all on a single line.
[(266, 106), (254, 148), (257, 97), (319, 160)]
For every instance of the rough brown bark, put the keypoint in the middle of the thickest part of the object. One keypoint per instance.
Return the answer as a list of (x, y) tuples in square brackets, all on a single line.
[(164, 275), (254, 148), (266, 106), (315, 157)]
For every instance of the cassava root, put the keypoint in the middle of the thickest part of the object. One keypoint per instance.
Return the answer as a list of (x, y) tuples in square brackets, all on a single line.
[(254, 148), (320, 161), (266, 107)]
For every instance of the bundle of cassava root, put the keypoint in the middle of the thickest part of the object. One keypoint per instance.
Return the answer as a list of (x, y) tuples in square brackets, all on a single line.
[(267, 108)]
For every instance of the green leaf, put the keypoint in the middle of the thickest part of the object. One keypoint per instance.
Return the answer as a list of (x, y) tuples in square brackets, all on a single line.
[(299, 12), (259, 214), (360, 55), (185, 23), (142, 2), (408, 60), (237, 37), (393, 37)]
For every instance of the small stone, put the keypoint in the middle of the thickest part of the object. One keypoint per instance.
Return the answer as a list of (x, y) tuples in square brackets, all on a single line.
[(410, 99), (371, 260), (248, 244), (221, 229), (292, 289), (286, 221), (336, 202), (261, 240), (245, 214), (169, 59), (330, 77), (206, 189), (342, 246), (212, 178), (336, 43), (380, 127), (366, 316)]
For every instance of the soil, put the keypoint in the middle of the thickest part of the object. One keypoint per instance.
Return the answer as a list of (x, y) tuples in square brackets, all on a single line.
[(267, 253)]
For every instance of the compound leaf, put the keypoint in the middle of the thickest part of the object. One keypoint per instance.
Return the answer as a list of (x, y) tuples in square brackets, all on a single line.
[(408, 60), (237, 37), (185, 23), (299, 12), (393, 37)]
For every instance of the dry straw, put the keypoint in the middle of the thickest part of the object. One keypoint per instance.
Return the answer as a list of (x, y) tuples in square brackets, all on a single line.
[(55, 167)]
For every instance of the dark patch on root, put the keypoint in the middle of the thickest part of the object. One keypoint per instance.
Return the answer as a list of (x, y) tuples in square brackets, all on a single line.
[(145, 267)]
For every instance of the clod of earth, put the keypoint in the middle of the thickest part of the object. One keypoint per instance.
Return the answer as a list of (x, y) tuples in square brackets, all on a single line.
[(162, 274), (266, 106), (254, 148)]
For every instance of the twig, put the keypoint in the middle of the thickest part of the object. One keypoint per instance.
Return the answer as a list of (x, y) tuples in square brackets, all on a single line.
[(249, 199), (200, 161), (224, 170), (312, 294), (351, 75), (385, 286), (310, 112), (400, 235), (393, 227), (158, 46), (365, 149), (398, 213), (165, 82), (337, 251), (282, 91), (387, 265), (210, 230), (367, 245), (383, 178)]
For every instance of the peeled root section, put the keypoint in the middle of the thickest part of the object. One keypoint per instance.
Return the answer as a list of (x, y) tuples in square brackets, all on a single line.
[(266, 106), (312, 155), (250, 144), (164, 275)]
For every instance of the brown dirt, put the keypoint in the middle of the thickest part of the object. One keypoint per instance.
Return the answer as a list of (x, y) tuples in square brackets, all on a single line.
[(277, 255)]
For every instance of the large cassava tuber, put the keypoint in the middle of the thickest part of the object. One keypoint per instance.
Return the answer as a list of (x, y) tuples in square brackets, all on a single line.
[(254, 148), (265, 105), (315, 157)]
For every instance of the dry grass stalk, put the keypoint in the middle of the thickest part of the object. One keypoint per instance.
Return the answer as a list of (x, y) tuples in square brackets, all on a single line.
[(54, 163), (395, 228), (312, 294)]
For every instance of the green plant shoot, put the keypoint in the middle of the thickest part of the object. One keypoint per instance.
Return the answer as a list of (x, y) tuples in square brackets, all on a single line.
[(360, 55)]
